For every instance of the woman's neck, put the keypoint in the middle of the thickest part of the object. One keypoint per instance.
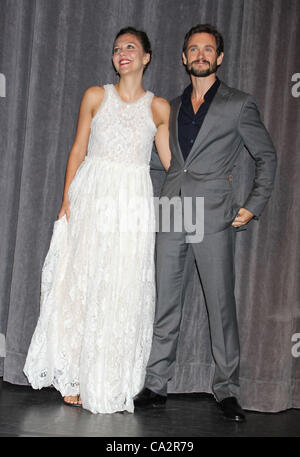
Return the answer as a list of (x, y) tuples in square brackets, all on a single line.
[(130, 87)]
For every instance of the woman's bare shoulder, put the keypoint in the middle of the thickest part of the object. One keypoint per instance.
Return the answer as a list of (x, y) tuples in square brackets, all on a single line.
[(95, 92), (96, 89), (160, 103), (160, 109), (93, 97)]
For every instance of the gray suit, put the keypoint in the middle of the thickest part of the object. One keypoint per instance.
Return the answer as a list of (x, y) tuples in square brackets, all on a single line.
[(231, 123)]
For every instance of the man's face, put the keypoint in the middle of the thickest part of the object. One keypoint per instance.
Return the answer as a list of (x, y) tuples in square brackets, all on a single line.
[(201, 57)]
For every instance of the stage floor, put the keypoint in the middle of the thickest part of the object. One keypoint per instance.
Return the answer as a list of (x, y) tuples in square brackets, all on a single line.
[(25, 412)]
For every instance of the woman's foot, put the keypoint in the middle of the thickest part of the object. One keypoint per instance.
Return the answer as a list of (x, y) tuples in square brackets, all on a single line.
[(73, 400)]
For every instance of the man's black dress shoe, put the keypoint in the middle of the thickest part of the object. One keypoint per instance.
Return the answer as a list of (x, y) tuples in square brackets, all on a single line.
[(147, 398), (232, 410)]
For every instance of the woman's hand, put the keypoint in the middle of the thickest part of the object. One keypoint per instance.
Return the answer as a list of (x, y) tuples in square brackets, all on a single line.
[(65, 209)]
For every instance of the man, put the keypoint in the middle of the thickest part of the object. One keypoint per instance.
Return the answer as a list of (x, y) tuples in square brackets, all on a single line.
[(209, 126)]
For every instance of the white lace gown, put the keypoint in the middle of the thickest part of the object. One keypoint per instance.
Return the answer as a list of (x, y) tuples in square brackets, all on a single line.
[(94, 332)]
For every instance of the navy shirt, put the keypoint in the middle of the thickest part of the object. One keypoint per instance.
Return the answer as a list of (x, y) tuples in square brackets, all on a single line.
[(190, 123)]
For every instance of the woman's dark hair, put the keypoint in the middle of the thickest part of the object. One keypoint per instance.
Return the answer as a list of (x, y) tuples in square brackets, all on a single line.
[(204, 28), (142, 37)]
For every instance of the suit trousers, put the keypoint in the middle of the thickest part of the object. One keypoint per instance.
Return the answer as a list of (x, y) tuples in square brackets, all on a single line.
[(214, 257)]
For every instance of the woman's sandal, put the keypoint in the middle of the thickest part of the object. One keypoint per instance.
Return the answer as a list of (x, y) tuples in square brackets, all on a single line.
[(73, 404)]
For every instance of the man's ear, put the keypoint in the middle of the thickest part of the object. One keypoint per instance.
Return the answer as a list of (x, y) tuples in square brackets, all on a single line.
[(220, 58), (184, 60)]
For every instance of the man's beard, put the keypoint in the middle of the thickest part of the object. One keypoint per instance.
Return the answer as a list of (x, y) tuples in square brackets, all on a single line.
[(212, 68)]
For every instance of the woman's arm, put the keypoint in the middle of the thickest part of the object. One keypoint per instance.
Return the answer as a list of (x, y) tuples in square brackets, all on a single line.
[(90, 103), (161, 113)]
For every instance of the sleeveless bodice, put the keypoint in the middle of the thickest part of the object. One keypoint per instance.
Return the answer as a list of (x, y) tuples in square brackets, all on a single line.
[(122, 132)]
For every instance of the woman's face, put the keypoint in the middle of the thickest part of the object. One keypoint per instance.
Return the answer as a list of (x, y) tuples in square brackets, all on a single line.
[(129, 55)]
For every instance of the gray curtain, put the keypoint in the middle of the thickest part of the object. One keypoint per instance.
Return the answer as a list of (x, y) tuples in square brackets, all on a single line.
[(50, 52)]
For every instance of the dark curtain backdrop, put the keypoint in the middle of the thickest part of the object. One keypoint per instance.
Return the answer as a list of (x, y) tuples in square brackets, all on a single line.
[(50, 52)]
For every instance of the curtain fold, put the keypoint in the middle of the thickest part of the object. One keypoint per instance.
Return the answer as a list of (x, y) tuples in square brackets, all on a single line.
[(50, 52)]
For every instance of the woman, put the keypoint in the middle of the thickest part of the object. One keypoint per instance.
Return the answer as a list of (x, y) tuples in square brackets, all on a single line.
[(94, 333)]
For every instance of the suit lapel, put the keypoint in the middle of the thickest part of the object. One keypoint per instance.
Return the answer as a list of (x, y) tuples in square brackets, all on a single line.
[(222, 95)]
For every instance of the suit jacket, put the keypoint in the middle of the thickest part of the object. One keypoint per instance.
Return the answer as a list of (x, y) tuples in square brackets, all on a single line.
[(231, 123)]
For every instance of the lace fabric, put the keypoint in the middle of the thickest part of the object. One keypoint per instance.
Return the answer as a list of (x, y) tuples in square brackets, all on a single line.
[(94, 332)]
